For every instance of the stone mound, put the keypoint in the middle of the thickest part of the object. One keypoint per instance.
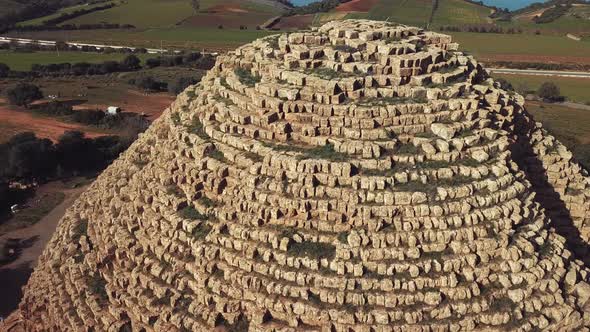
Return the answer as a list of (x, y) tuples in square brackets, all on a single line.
[(363, 176)]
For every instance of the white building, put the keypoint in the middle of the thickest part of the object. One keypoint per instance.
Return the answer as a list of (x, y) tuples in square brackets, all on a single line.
[(113, 110)]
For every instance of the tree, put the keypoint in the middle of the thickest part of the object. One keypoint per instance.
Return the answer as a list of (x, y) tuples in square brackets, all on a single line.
[(23, 94), (25, 156), (549, 91), (152, 62), (131, 62), (74, 151), (504, 84), (149, 84), (4, 70), (180, 84), (196, 5)]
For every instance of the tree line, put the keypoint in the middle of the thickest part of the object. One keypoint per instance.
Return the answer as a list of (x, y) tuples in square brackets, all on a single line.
[(130, 63), (27, 158), (315, 7), (480, 29), (37, 9)]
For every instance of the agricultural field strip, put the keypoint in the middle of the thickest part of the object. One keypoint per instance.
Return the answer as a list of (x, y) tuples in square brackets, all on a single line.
[(98, 46), (577, 74)]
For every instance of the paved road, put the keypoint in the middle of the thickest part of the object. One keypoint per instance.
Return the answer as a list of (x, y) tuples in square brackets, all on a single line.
[(559, 73), (52, 43)]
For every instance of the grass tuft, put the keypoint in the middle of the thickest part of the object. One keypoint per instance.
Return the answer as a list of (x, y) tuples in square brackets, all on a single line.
[(197, 128), (191, 213), (310, 249), (246, 77)]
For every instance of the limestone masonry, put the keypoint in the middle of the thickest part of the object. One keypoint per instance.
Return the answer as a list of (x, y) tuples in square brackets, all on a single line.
[(362, 176)]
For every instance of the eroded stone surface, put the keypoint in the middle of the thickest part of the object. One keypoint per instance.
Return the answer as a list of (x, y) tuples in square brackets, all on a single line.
[(364, 176)]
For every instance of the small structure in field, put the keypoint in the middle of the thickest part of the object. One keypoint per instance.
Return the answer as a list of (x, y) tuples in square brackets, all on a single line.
[(573, 37), (113, 110)]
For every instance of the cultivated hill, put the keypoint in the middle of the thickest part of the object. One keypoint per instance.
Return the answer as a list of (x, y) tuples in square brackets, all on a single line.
[(361, 176), (415, 12), (212, 13)]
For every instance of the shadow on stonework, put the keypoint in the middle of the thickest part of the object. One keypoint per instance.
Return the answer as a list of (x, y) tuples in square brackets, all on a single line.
[(547, 197), (11, 282)]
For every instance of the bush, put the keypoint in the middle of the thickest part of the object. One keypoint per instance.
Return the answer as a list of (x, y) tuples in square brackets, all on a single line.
[(88, 117), (23, 94), (25, 156), (148, 83), (315, 250), (131, 62), (552, 14), (549, 92), (55, 108), (246, 77), (504, 84), (180, 84), (191, 213), (4, 70)]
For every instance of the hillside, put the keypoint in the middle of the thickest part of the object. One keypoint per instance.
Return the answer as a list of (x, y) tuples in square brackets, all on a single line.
[(8, 6), (414, 12), (574, 20), (159, 13)]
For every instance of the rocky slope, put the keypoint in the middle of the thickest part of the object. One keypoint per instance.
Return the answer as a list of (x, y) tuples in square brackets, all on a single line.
[(364, 176)]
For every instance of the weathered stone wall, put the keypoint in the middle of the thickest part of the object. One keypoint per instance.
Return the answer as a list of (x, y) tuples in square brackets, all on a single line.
[(364, 176)]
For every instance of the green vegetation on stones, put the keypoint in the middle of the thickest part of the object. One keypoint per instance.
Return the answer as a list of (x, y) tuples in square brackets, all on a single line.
[(217, 155), (207, 202), (310, 249), (246, 77), (345, 48), (175, 118), (81, 229), (175, 190), (201, 231), (326, 152), (97, 287), (343, 237), (392, 101), (196, 127), (191, 213)]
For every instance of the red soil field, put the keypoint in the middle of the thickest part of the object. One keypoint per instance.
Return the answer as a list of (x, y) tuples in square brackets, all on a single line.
[(21, 121), (294, 22), (14, 121), (357, 6), (224, 8)]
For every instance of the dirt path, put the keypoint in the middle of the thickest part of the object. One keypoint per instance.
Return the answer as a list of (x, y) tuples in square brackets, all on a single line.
[(15, 274)]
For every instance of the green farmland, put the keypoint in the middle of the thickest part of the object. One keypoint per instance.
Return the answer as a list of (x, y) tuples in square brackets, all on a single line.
[(140, 13), (413, 12), (459, 12), (492, 43), (569, 125), (24, 61), (574, 89), (40, 20), (170, 38)]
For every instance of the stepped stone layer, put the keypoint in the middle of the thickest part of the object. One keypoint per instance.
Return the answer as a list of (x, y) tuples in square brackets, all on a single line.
[(363, 176)]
